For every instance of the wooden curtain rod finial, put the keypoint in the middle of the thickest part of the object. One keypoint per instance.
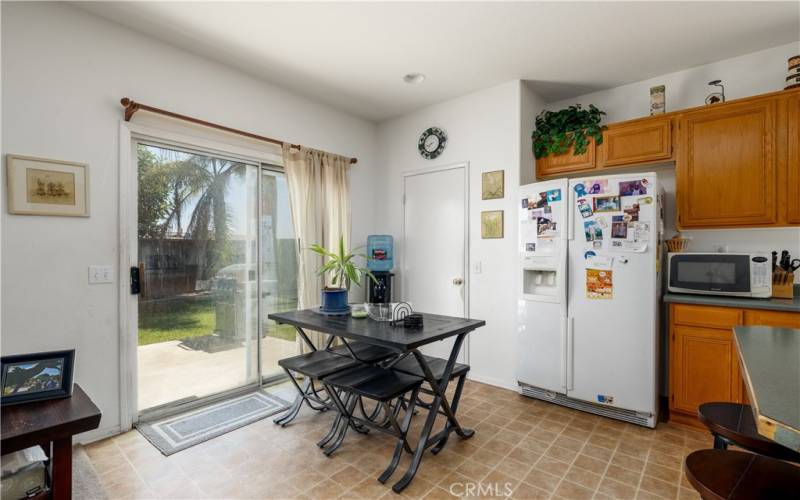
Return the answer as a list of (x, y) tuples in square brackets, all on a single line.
[(132, 107)]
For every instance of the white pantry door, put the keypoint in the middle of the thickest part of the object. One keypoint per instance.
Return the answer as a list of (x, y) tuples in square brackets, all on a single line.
[(434, 253)]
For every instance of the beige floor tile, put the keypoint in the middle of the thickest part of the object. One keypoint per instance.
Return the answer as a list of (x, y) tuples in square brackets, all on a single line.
[(525, 491), (542, 480), (590, 464), (473, 470), (514, 467), (537, 447), (616, 489), (573, 491), (667, 474), (583, 477), (623, 475), (659, 487), (560, 453), (627, 462), (552, 466)]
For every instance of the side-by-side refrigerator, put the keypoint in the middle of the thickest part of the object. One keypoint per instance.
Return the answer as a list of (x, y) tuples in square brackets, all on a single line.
[(589, 253)]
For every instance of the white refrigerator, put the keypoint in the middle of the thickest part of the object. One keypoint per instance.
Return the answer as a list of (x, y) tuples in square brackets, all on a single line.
[(589, 254)]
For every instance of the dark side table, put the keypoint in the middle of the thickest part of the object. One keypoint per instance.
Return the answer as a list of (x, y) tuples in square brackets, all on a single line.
[(50, 422)]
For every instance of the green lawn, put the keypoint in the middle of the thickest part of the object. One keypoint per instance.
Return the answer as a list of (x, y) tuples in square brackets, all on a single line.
[(191, 318)]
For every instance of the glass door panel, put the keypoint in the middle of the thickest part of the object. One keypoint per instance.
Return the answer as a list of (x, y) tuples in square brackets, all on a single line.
[(198, 255), (278, 270)]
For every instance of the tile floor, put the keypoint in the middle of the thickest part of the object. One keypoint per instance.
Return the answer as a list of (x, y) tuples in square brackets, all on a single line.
[(522, 448)]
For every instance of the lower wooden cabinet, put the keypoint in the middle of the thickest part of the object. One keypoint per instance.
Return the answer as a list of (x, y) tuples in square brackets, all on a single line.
[(703, 362)]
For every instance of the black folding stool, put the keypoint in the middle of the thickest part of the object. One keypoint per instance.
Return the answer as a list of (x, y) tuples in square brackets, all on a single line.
[(409, 364), (379, 384)]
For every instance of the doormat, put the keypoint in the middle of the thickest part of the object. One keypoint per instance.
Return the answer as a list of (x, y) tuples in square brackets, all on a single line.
[(178, 432)]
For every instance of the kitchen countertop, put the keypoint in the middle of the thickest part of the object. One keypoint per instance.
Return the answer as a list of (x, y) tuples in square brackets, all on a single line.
[(790, 305), (771, 372)]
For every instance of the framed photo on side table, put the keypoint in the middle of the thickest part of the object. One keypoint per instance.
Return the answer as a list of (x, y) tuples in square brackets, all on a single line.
[(36, 377), (38, 186)]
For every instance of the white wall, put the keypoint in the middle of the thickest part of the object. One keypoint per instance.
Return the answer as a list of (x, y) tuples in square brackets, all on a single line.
[(743, 76), (64, 71), (531, 105), (483, 129)]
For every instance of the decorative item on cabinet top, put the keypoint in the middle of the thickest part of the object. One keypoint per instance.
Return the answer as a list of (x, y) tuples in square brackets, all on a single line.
[(716, 97), (793, 74), (493, 185), (558, 131), (658, 103)]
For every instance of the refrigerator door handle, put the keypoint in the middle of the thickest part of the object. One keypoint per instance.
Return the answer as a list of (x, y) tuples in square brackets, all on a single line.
[(564, 327), (570, 353), (570, 213)]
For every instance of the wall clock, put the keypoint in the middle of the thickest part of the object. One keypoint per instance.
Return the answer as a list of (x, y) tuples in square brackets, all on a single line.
[(431, 143)]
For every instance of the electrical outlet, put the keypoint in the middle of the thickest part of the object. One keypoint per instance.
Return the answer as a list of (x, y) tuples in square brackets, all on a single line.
[(721, 248), (101, 274)]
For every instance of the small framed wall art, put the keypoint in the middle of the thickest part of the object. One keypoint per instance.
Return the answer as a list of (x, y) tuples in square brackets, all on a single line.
[(38, 186), (492, 185), (492, 224)]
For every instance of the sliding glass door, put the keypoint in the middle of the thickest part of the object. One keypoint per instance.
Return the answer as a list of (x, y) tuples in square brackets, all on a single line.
[(214, 235), (278, 270)]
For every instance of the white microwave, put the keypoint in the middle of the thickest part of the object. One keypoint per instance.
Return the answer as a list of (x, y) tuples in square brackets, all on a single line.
[(736, 274)]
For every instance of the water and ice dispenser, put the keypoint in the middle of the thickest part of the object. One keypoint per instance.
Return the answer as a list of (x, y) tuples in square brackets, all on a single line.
[(541, 279)]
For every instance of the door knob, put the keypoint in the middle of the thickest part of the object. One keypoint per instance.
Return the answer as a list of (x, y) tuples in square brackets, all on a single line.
[(458, 281)]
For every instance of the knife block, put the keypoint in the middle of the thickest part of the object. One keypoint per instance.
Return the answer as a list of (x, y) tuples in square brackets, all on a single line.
[(783, 289)]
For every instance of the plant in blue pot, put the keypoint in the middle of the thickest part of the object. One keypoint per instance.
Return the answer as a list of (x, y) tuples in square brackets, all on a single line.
[(340, 265)]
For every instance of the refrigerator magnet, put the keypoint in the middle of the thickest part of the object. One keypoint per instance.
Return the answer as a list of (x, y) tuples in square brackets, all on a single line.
[(580, 190), (584, 208)]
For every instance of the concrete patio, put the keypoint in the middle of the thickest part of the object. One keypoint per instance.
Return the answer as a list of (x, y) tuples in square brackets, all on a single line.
[(169, 371)]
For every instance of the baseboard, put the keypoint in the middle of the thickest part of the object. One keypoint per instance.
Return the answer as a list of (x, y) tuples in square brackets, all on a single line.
[(97, 434), (493, 382), (685, 419)]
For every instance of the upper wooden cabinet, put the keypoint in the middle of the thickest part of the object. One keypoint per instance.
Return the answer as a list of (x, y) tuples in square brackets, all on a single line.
[(793, 159), (640, 141), (726, 168), (568, 162), (737, 164)]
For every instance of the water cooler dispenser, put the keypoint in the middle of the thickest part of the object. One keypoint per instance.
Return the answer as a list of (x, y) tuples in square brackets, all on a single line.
[(380, 253)]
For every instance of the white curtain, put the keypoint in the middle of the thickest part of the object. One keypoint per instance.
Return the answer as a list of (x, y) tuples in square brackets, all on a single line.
[(320, 201)]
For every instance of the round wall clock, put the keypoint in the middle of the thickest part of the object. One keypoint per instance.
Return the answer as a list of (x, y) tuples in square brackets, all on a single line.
[(431, 143)]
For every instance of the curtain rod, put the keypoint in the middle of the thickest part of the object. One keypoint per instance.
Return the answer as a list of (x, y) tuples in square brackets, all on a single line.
[(132, 107)]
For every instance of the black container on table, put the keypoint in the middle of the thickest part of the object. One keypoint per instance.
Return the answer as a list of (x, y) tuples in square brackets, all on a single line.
[(380, 292)]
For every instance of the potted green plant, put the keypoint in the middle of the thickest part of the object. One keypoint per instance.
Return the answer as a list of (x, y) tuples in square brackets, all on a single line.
[(557, 131), (344, 272)]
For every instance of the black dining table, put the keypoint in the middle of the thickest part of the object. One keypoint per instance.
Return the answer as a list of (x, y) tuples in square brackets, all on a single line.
[(404, 341)]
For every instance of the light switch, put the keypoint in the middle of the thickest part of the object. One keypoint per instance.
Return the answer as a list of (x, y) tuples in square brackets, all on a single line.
[(477, 267), (101, 274)]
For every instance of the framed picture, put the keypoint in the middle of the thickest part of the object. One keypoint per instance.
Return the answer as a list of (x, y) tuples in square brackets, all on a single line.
[(492, 224), (492, 185), (37, 186), (36, 377)]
